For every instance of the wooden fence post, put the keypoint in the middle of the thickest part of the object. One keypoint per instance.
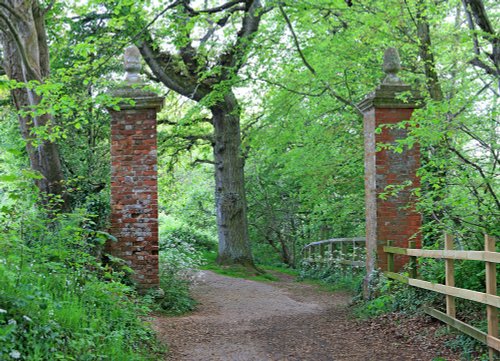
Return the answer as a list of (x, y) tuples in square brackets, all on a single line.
[(491, 288), (413, 260), (449, 276), (330, 254), (390, 258), (322, 253)]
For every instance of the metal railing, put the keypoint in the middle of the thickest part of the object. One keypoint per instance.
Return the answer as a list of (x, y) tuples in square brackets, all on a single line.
[(346, 251)]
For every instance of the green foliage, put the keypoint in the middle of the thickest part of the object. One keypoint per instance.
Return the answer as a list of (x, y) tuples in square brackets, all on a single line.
[(302, 143), (468, 274), (393, 296), (175, 298), (59, 302), (333, 277), (180, 256), (185, 238), (470, 349), (267, 257)]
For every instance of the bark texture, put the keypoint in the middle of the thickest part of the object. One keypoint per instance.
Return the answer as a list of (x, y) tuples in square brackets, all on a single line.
[(230, 185), (426, 54), (26, 58)]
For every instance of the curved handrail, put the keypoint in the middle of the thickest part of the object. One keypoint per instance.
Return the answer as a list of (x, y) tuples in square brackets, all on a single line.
[(335, 242)]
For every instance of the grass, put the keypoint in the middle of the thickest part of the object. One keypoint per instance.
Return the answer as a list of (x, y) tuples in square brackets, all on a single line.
[(342, 285), (53, 306), (280, 269), (238, 271), (325, 281), (56, 316)]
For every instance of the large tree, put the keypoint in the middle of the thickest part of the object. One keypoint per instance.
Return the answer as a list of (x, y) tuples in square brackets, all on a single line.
[(205, 71), (26, 60)]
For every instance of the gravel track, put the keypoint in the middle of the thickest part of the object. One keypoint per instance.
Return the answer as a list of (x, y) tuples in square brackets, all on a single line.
[(242, 320)]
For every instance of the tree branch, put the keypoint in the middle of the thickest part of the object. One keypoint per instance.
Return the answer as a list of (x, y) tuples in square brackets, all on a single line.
[(465, 106), (481, 172), (482, 20), (163, 68), (12, 11), (194, 137), (202, 161), (296, 41), (284, 87), (33, 75), (233, 59), (472, 28), (332, 92), (485, 145), (216, 9), (480, 64)]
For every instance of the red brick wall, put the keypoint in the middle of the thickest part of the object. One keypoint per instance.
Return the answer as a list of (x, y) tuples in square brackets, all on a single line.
[(134, 193), (396, 217)]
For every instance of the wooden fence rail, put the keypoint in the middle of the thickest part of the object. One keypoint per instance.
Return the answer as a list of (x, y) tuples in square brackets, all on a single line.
[(324, 252), (489, 298)]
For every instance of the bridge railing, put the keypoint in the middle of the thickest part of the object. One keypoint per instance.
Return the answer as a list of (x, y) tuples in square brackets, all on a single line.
[(344, 251), (489, 298)]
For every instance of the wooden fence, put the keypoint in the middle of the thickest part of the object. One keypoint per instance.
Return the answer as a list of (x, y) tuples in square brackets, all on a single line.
[(328, 251), (490, 298)]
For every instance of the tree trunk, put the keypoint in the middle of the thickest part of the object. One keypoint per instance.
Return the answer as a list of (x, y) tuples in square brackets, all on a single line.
[(195, 76), (285, 253), (426, 54), (230, 201), (26, 58)]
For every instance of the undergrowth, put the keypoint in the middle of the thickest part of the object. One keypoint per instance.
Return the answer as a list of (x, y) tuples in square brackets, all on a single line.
[(393, 296), (180, 257), (58, 302), (332, 276)]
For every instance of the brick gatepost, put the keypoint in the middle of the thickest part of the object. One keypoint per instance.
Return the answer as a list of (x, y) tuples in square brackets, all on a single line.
[(393, 218), (134, 188)]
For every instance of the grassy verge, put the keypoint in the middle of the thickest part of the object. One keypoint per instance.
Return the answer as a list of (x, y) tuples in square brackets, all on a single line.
[(348, 284), (241, 271), (58, 302)]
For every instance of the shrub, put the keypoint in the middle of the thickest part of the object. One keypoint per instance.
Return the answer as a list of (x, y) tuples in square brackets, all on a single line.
[(56, 303), (180, 256), (334, 273), (174, 232)]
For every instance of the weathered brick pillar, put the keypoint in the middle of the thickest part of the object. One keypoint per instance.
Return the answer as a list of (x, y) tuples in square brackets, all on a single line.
[(134, 189), (393, 218)]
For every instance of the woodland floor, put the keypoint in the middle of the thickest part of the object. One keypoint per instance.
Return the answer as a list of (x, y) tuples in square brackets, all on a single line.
[(242, 320)]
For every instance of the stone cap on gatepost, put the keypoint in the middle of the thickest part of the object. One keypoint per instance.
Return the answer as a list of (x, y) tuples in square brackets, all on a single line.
[(133, 87), (387, 94)]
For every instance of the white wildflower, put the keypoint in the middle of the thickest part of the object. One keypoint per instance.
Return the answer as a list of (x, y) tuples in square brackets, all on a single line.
[(27, 318), (2, 310), (12, 322), (15, 354)]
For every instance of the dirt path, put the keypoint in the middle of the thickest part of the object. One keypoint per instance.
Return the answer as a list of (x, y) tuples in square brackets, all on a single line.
[(241, 320)]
